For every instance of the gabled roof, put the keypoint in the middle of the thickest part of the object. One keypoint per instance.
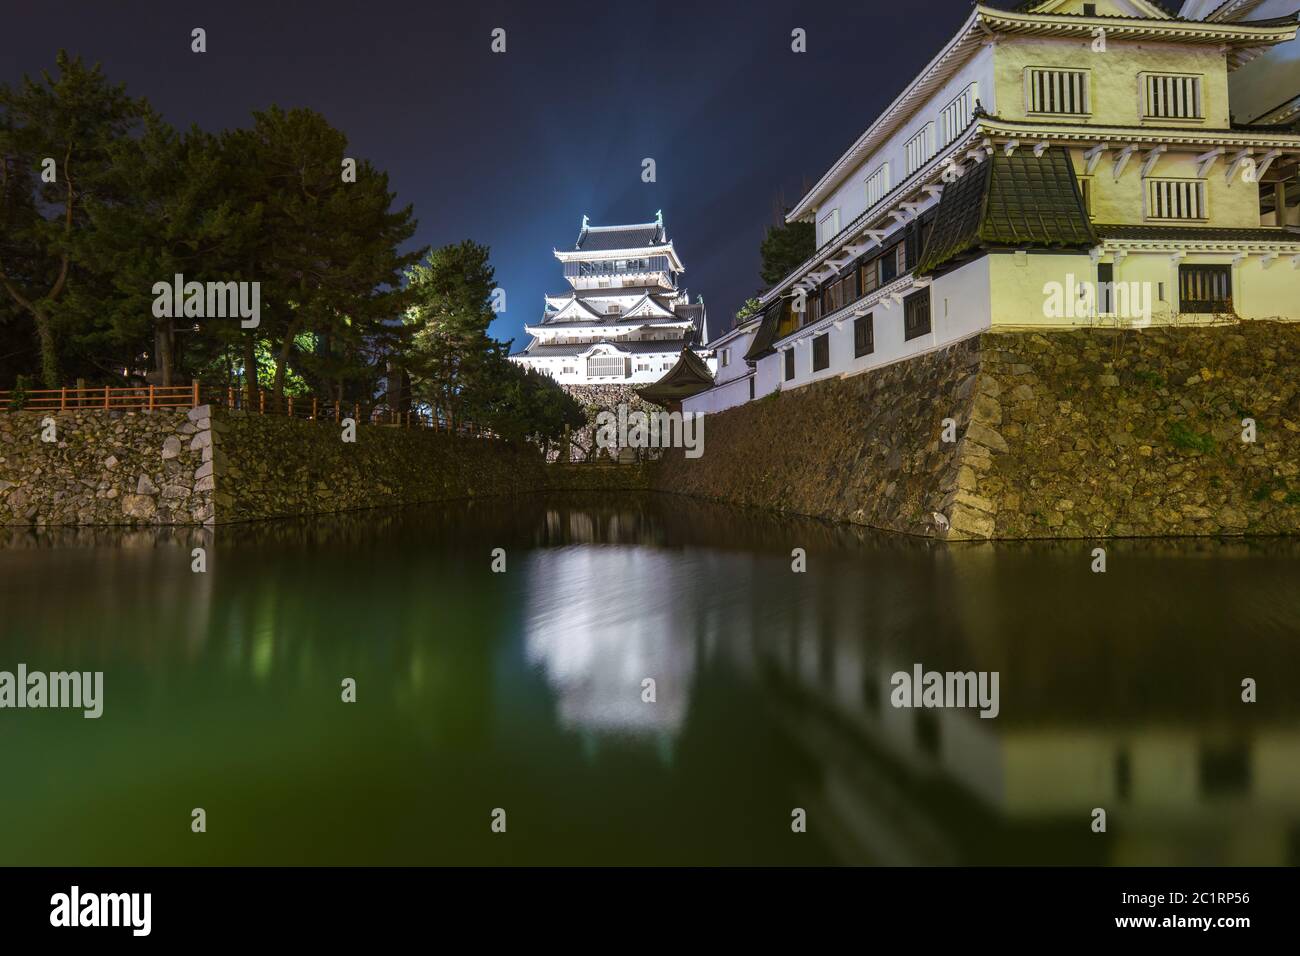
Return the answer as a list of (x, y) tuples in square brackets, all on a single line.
[(1019, 201), (610, 238), (688, 377), (647, 307), (640, 347), (1243, 41), (574, 310)]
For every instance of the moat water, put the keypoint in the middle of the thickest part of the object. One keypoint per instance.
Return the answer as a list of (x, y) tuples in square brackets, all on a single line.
[(524, 691)]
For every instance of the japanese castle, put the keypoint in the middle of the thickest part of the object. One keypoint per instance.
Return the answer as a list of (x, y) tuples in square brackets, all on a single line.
[(624, 321), (1049, 144)]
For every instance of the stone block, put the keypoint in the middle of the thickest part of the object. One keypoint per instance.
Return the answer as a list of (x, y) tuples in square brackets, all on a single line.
[(139, 506)]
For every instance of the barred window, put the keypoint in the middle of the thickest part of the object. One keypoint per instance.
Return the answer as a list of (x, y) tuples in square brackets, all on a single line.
[(829, 226), (821, 352), (878, 185), (606, 365), (916, 314), (1171, 96), (956, 116), (1205, 288), (920, 148), (864, 336), (1057, 91), (1176, 199)]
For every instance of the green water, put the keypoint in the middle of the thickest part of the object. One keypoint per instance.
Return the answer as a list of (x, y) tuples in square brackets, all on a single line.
[(523, 691)]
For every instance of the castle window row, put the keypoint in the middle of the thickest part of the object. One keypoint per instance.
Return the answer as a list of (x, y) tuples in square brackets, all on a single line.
[(1056, 92)]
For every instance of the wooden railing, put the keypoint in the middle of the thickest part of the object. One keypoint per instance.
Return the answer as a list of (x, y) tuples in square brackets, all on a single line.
[(149, 397), (313, 408), (139, 397)]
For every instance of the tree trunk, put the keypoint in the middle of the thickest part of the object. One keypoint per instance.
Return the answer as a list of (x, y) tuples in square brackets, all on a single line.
[(250, 371), (164, 351), (282, 360), (49, 352)]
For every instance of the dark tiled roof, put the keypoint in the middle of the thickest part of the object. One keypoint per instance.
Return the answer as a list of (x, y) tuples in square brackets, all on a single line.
[(1198, 130), (610, 292), (688, 377), (694, 311), (603, 238), (635, 348), (766, 334), (1198, 233), (608, 320), (1170, 7), (1022, 201)]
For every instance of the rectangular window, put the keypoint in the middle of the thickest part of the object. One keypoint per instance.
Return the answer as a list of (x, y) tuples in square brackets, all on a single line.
[(1171, 96), (877, 185), (606, 365), (1105, 288), (916, 314), (828, 226), (864, 336), (821, 352), (1057, 91), (789, 363), (869, 276), (1176, 199), (920, 148), (569, 370), (726, 357), (889, 266), (1204, 288), (956, 116), (751, 388)]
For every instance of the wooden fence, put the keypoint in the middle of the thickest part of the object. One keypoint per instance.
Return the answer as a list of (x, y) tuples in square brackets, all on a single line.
[(149, 397), (129, 398)]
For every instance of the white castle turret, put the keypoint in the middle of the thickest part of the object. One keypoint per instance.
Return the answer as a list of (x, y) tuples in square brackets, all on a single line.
[(624, 321)]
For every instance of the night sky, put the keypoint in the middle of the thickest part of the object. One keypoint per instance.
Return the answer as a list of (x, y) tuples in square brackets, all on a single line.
[(512, 149)]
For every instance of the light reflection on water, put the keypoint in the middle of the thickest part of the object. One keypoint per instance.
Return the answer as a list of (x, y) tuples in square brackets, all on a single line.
[(524, 690)]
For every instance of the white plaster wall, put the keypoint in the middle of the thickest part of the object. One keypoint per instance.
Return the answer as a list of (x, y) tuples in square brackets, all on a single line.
[(728, 395), (739, 345), (1114, 90), (850, 197), (1234, 204), (959, 306), (1018, 283)]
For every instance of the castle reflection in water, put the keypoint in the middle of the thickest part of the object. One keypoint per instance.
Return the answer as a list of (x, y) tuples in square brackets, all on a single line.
[(1118, 690), (1123, 695)]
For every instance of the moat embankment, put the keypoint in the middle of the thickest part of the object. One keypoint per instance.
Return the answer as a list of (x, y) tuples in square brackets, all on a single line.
[(207, 466), (1072, 434)]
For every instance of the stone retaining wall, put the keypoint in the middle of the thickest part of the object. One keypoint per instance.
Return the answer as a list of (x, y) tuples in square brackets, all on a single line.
[(208, 466), (1071, 434), (106, 467)]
